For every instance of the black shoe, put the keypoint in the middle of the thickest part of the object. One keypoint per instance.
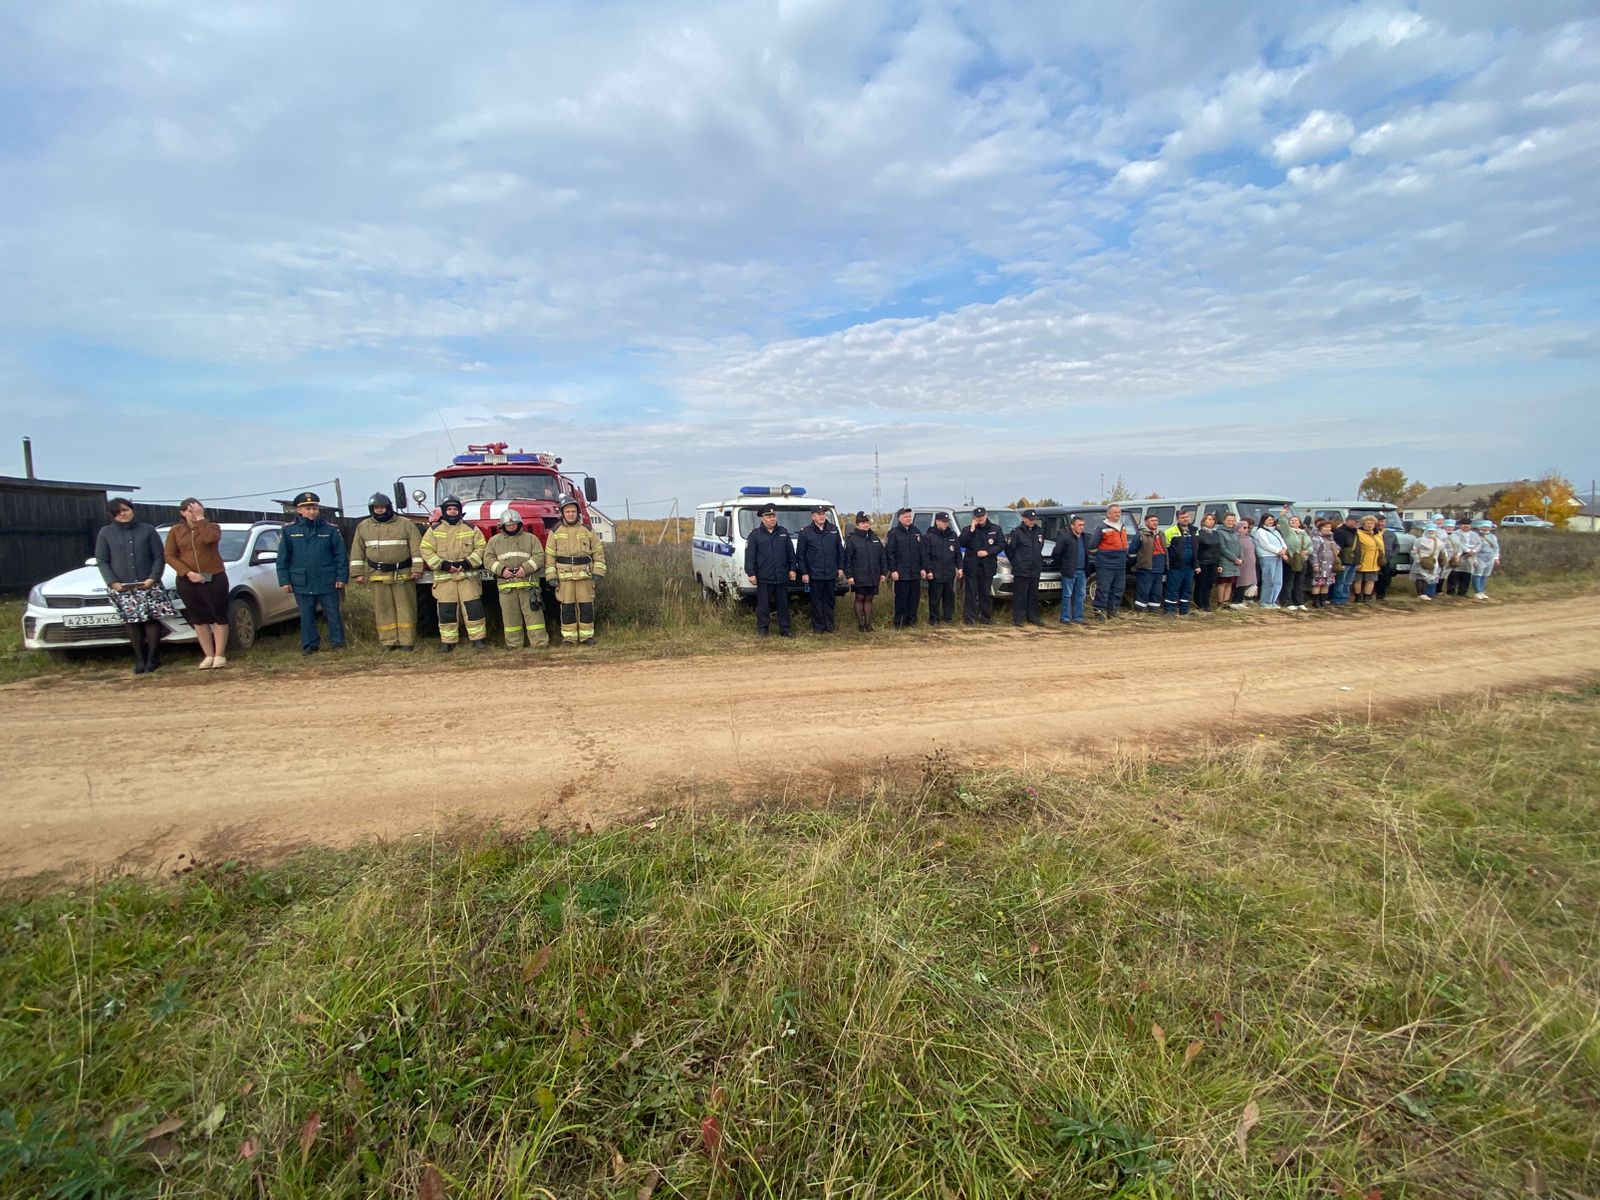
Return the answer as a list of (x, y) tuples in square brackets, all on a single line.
[(447, 647), (480, 643), (307, 651), (589, 641), (1040, 624), (139, 668), (786, 633), (392, 649), (407, 649)]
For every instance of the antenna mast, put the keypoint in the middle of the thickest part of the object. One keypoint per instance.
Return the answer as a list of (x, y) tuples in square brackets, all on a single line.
[(905, 492), (877, 487)]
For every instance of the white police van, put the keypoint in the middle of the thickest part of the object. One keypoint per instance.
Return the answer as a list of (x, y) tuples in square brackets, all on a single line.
[(721, 528)]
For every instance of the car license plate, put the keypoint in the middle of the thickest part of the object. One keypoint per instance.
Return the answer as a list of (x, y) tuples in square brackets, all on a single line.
[(92, 620), (1049, 585)]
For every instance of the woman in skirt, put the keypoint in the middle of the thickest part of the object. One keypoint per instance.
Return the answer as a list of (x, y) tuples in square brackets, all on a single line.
[(865, 565), (1247, 564), (191, 552), (130, 558)]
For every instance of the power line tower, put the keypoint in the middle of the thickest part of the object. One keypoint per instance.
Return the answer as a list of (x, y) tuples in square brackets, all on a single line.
[(905, 492), (877, 487)]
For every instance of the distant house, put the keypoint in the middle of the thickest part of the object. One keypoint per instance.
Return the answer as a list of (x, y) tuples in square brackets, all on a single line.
[(1457, 500), (602, 524), (1586, 519)]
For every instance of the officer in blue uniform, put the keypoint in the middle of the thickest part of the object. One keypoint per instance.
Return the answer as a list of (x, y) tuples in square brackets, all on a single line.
[(313, 565)]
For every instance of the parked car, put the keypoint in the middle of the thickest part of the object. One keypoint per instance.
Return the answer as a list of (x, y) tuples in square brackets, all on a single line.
[(1525, 521), (74, 611)]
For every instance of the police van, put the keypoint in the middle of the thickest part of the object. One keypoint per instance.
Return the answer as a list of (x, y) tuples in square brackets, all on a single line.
[(721, 528)]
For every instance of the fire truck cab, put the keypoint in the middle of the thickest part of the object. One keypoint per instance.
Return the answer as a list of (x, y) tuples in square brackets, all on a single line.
[(490, 482)]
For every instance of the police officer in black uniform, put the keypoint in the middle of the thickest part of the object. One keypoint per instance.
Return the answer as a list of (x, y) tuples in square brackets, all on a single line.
[(981, 545), (903, 551), (820, 553), (1025, 549), (941, 566), (770, 564)]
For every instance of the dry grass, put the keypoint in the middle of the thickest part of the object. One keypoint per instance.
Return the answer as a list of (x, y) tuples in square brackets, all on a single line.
[(1380, 939)]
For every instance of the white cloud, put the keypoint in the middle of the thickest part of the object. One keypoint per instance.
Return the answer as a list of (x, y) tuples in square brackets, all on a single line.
[(1319, 135)]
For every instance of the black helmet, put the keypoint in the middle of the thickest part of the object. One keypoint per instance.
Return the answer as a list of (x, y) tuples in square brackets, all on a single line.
[(564, 499), (449, 500), (378, 500)]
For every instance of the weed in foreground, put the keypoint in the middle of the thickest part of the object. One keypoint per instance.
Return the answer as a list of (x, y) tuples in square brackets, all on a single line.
[(1361, 959)]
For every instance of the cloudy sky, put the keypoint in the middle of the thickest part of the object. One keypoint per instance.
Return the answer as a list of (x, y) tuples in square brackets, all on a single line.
[(1014, 245)]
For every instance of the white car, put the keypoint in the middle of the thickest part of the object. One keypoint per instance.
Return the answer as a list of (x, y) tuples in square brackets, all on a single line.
[(1525, 521), (74, 609)]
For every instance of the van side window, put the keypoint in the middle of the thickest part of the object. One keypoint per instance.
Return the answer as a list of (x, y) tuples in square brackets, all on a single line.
[(1165, 513), (1132, 518), (1330, 514), (1218, 511), (710, 524)]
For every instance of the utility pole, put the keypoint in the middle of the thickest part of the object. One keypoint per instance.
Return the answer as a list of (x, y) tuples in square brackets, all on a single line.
[(338, 494), (905, 492), (877, 487)]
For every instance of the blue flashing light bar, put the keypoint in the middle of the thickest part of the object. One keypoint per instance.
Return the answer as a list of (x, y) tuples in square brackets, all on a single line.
[(466, 460), (781, 490)]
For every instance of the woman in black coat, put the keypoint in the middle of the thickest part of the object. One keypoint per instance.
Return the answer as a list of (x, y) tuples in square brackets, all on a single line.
[(130, 557), (865, 565)]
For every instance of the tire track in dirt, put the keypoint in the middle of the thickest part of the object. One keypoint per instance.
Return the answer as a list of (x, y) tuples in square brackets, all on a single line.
[(246, 766)]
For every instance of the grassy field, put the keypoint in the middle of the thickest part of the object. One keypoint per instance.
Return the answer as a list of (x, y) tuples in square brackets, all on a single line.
[(1359, 962), (649, 606)]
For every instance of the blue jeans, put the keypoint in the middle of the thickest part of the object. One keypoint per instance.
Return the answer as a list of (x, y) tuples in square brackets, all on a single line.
[(1271, 568), (1341, 585), (1073, 588), (1147, 585), (1480, 584), (1180, 590), (310, 638)]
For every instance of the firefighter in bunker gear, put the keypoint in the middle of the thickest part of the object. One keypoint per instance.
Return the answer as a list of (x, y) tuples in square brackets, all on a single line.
[(574, 557), (515, 559), (453, 550), (387, 552)]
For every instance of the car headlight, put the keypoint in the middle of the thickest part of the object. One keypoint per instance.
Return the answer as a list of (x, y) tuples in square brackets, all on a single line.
[(36, 595)]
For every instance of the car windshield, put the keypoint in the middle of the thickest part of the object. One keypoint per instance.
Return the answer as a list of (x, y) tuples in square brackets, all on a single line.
[(790, 518), (494, 486), (1252, 510), (1006, 518), (231, 547)]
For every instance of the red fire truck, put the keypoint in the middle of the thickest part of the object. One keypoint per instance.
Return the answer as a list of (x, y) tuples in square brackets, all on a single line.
[(490, 481)]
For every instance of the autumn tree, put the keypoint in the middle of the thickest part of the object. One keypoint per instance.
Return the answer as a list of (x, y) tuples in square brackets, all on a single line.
[(1390, 485), (1551, 496)]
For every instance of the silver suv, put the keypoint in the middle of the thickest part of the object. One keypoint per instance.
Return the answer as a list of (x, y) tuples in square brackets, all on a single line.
[(74, 610)]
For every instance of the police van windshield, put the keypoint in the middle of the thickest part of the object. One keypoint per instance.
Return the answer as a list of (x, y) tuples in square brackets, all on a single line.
[(491, 486), (791, 519), (1006, 518)]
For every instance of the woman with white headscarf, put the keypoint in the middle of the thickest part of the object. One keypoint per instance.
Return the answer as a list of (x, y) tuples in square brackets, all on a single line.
[(1485, 559)]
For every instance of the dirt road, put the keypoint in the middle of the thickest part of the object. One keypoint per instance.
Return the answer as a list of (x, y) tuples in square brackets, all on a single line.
[(221, 766)]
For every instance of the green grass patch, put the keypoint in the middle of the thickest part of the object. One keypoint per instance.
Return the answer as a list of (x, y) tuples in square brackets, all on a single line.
[(1363, 958)]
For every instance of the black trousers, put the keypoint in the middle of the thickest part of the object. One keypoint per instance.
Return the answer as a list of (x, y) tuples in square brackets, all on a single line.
[(1203, 584), (1025, 600), (1385, 578), (822, 602), (1457, 583), (977, 602), (907, 595), (941, 601), (767, 595), (1297, 585)]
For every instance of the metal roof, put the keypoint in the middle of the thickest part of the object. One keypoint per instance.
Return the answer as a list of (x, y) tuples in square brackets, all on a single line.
[(63, 485)]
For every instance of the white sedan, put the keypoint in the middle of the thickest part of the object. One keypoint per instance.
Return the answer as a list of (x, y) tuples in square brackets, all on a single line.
[(74, 609)]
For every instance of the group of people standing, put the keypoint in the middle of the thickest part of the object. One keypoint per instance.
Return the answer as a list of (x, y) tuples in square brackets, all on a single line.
[(132, 557), (388, 553), (908, 560), (1277, 562)]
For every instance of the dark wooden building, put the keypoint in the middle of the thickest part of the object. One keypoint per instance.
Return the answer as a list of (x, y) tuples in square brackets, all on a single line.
[(47, 526)]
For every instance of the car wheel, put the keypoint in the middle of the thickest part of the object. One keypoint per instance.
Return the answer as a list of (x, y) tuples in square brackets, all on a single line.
[(244, 622)]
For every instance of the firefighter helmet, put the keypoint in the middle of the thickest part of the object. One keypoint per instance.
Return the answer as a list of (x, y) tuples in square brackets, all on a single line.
[(378, 500), (448, 501), (512, 517), (564, 499)]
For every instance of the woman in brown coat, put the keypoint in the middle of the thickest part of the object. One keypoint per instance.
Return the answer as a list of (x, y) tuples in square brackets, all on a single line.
[(191, 552)]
